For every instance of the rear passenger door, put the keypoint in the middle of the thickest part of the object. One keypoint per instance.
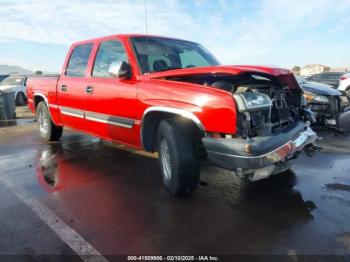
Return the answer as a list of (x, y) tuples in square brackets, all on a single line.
[(111, 102), (71, 87)]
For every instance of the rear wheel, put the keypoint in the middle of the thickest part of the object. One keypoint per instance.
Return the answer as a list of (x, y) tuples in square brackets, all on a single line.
[(47, 129), (178, 161), (20, 99)]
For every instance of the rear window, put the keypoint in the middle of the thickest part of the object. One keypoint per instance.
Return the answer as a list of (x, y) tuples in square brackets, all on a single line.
[(78, 60)]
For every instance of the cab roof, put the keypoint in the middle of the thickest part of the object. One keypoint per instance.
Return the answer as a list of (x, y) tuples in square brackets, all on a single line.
[(126, 36)]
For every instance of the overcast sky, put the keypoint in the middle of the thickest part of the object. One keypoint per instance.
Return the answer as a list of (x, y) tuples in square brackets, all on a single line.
[(36, 34)]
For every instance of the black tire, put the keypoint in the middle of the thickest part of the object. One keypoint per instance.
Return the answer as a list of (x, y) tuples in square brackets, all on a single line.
[(47, 129), (177, 148), (20, 99), (347, 92)]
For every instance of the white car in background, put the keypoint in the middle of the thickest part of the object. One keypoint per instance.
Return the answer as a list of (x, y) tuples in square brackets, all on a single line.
[(344, 84), (18, 85)]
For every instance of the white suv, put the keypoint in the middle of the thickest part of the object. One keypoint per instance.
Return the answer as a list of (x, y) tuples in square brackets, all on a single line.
[(18, 85), (344, 84)]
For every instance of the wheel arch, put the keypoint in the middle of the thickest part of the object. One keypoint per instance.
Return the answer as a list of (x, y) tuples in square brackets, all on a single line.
[(39, 97), (154, 115), (20, 92)]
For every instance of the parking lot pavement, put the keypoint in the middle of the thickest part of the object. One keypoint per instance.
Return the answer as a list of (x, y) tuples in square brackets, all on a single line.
[(83, 195)]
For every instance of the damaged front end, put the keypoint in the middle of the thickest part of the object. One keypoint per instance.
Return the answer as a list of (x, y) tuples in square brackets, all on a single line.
[(272, 122), (261, 156)]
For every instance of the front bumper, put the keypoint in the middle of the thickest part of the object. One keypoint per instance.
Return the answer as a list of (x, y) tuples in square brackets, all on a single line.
[(334, 114), (263, 151), (343, 122), (339, 122)]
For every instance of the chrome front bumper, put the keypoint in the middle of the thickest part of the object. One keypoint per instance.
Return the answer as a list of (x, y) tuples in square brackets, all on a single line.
[(230, 153)]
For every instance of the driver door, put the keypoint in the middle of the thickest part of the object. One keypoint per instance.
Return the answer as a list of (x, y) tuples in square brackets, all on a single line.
[(111, 101)]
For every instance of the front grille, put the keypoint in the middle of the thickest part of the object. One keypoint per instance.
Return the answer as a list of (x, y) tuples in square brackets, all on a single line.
[(333, 104), (344, 101)]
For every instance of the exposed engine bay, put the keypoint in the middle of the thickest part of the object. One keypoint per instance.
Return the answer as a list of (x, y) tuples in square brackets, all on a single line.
[(265, 104)]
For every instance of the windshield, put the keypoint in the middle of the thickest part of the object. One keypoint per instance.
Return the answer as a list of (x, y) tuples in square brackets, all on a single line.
[(155, 54), (12, 81)]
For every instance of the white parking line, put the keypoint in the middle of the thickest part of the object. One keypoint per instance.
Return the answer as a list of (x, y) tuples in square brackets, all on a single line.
[(68, 235)]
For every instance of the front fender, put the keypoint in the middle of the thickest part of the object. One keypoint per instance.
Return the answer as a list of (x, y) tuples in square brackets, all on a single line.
[(210, 115)]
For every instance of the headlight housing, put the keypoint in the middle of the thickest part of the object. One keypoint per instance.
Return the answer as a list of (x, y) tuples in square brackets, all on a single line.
[(251, 101), (313, 98)]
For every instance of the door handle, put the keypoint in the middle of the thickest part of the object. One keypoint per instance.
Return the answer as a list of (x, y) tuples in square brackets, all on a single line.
[(89, 89), (64, 88)]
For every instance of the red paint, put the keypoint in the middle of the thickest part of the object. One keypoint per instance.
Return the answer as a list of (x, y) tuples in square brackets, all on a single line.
[(130, 98)]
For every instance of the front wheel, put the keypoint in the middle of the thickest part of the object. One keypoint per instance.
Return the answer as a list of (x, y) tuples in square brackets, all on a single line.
[(178, 161), (47, 129)]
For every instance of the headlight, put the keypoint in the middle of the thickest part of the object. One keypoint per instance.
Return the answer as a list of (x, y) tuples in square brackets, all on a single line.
[(313, 98), (250, 101)]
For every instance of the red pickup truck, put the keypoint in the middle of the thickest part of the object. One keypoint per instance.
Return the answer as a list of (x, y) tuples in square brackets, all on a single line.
[(173, 97)]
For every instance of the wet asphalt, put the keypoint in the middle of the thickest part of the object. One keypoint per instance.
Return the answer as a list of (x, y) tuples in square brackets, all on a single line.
[(113, 198)]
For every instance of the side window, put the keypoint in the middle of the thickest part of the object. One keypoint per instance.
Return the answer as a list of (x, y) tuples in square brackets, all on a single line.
[(78, 60), (109, 51)]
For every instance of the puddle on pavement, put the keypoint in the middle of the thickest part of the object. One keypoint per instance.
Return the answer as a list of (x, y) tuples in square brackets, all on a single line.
[(278, 193), (334, 141), (17, 122), (338, 186), (57, 169), (130, 182), (62, 166), (345, 240)]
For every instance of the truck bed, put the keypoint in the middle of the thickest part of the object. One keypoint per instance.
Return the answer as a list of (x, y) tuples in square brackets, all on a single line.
[(45, 86)]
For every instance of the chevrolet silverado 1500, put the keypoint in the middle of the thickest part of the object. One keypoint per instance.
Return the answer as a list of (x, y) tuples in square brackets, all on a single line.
[(173, 97)]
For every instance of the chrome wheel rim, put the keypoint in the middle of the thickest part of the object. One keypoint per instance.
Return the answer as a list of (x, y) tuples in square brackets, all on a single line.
[(43, 123), (165, 158)]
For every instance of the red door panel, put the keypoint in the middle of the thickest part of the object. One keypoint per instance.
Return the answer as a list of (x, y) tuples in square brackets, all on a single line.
[(71, 96), (110, 109), (71, 87), (110, 104)]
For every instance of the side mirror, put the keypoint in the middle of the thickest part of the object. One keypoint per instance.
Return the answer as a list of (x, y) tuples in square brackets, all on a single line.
[(120, 69)]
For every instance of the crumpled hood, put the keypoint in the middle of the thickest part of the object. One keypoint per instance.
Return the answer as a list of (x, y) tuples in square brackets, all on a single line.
[(283, 75), (320, 89)]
